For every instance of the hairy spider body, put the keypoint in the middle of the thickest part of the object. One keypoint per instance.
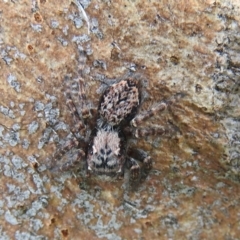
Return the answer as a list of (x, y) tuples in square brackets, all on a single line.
[(116, 120), (117, 106)]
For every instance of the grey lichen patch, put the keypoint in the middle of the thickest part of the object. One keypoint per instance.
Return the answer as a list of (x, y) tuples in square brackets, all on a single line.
[(14, 83), (19, 176), (1, 131), (42, 168), (102, 228), (84, 3), (37, 206), (7, 112), (78, 22), (81, 39), (51, 114), (18, 55), (16, 195), (18, 162), (4, 235), (226, 85), (65, 30), (61, 126), (45, 137), (54, 24), (13, 138), (37, 27), (16, 127), (95, 28), (33, 160), (12, 104), (19, 235), (33, 127), (38, 183), (10, 218), (4, 159), (63, 41), (107, 230), (9, 53), (232, 126), (36, 224), (25, 143), (170, 221), (6, 57), (21, 106), (38, 106), (205, 218), (7, 171)]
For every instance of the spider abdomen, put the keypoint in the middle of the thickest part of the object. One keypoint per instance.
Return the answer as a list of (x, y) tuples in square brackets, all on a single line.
[(120, 101)]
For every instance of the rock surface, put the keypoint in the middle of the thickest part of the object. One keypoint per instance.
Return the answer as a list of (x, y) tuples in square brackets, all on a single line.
[(193, 47)]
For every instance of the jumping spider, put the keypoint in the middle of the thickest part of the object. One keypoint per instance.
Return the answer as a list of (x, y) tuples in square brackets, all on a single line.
[(101, 138)]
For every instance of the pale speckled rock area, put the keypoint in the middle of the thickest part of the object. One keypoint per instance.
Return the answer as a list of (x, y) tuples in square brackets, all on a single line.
[(192, 46)]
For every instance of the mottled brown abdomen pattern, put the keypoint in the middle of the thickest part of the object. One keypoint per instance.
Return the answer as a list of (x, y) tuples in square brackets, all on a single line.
[(119, 102)]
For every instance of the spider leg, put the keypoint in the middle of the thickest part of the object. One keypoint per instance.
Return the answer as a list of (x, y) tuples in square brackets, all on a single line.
[(151, 112), (141, 156), (74, 161), (159, 107), (150, 131), (68, 145), (134, 169), (70, 85), (81, 88), (135, 156), (82, 99), (72, 164), (69, 154), (75, 93)]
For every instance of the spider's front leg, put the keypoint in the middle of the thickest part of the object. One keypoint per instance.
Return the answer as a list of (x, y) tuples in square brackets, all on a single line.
[(149, 131), (136, 155), (159, 107), (67, 156), (79, 109), (62, 150), (151, 112), (134, 169), (74, 162)]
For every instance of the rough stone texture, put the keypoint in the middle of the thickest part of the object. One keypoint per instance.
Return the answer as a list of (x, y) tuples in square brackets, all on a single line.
[(179, 46)]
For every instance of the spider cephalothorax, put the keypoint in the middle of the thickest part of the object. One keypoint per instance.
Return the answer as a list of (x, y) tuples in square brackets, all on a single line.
[(105, 154), (105, 150)]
